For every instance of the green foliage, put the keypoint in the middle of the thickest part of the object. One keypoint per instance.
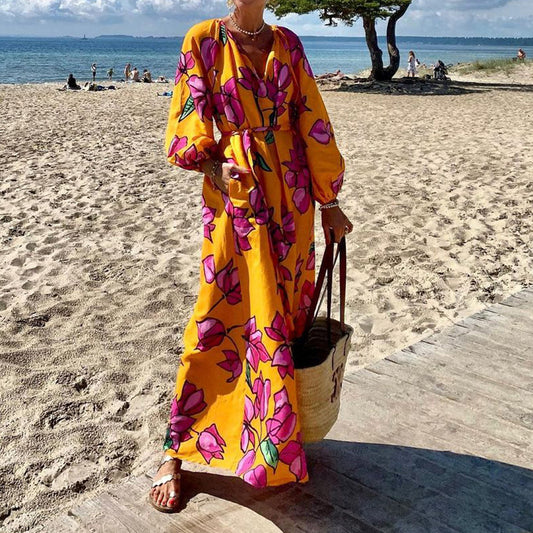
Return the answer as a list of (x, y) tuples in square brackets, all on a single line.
[(332, 11), (488, 66)]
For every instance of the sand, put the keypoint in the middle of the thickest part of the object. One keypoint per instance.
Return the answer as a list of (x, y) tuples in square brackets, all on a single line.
[(99, 255)]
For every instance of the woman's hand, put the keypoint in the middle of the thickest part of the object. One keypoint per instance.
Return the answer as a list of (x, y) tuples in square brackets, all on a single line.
[(334, 220), (227, 172)]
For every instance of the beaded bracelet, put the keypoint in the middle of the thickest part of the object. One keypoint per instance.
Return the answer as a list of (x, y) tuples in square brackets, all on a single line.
[(329, 205)]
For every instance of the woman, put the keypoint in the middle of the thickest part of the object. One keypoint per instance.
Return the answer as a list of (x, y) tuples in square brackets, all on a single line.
[(411, 65), (235, 397)]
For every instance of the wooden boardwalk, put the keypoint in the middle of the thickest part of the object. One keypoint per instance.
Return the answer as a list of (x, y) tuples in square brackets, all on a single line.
[(435, 438)]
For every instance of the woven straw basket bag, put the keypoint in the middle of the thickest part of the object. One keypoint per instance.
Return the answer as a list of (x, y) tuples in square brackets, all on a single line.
[(320, 354)]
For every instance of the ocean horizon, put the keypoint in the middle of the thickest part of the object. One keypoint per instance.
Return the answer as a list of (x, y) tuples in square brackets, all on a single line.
[(51, 59)]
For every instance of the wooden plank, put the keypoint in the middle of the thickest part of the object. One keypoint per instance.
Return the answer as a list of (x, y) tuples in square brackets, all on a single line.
[(391, 407), (439, 381), (62, 524), (493, 368), (485, 385)]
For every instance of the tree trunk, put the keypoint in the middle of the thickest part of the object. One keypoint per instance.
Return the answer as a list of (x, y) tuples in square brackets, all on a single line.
[(394, 53), (376, 55)]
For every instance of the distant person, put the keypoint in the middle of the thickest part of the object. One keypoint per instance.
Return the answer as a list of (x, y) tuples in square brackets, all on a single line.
[(328, 75), (417, 63), (93, 70), (411, 65), (135, 74), (521, 55), (440, 71), (110, 73), (71, 83), (147, 76), (127, 71), (161, 79)]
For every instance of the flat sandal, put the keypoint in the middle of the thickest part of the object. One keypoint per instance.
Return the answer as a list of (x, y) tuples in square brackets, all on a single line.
[(166, 479)]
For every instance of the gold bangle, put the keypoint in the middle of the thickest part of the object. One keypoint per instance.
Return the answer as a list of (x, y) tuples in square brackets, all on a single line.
[(329, 205)]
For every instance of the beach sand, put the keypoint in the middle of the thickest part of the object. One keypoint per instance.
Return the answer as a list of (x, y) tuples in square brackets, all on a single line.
[(100, 249)]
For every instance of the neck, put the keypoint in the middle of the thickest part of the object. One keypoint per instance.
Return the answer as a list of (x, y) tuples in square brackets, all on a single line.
[(249, 18)]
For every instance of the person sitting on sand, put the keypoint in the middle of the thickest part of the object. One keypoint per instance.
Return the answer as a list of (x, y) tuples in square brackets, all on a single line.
[(161, 79), (71, 83), (135, 74), (147, 76), (328, 75), (521, 55), (411, 65)]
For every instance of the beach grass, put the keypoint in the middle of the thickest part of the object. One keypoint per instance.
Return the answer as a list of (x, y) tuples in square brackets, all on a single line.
[(488, 66)]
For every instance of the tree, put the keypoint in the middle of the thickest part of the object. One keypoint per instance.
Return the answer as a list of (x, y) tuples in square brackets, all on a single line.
[(348, 11)]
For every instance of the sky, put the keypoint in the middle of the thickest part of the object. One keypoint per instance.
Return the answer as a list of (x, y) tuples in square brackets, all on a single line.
[(469, 18)]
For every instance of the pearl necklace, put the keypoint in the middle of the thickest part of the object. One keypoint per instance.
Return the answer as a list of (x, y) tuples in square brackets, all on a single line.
[(252, 34)]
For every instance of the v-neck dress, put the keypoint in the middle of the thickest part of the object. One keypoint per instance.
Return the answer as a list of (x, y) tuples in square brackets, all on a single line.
[(235, 403)]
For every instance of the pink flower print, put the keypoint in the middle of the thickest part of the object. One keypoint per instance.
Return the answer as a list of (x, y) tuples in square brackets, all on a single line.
[(246, 462), (201, 96), (321, 131), (210, 444), (232, 364), (211, 333), (255, 349), (288, 225), (337, 184), (228, 282), (227, 102), (251, 82), (177, 144), (307, 67), (261, 389), (258, 205), (208, 51), (256, 477), (298, 177), (247, 435), (241, 226), (294, 456), (191, 158), (209, 268), (306, 296), (282, 359), (185, 63), (208, 215), (191, 401), (278, 330), (294, 45), (285, 273), (279, 243), (281, 426), (282, 74), (179, 426)]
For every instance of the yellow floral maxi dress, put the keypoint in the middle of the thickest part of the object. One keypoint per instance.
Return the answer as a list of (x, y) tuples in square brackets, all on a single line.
[(235, 400)]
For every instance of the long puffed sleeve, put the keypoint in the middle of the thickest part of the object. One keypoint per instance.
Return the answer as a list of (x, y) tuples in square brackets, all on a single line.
[(189, 136), (325, 162)]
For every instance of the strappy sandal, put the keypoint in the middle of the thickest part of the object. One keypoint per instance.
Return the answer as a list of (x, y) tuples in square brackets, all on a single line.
[(166, 479)]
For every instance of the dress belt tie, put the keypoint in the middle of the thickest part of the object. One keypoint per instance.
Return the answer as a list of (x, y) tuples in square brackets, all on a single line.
[(276, 127)]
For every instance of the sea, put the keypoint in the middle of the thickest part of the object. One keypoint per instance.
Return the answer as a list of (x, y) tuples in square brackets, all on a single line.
[(34, 60)]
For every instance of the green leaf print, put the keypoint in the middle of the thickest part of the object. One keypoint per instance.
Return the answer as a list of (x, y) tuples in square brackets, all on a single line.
[(272, 118), (259, 160), (269, 137), (248, 375), (188, 108), (270, 453), (223, 36), (168, 440)]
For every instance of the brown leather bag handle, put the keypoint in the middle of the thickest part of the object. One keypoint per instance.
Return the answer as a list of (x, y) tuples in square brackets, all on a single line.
[(328, 262)]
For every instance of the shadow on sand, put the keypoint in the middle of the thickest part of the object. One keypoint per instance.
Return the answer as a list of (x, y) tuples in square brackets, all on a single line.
[(419, 87), (360, 487)]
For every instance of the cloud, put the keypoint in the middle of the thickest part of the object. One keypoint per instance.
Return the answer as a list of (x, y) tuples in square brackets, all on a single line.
[(99, 9), (460, 5)]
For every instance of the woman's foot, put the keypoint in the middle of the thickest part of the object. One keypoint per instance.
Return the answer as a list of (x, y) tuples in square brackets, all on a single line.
[(165, 492)]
